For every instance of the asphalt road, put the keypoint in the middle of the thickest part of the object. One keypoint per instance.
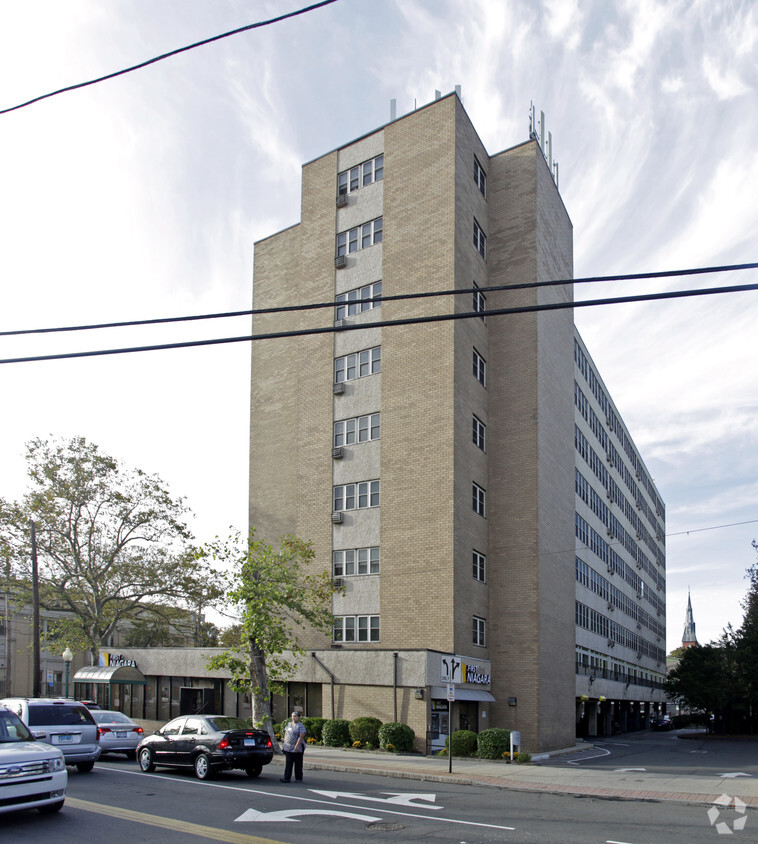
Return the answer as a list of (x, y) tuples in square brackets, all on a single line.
[(666, 753), (117, 803)]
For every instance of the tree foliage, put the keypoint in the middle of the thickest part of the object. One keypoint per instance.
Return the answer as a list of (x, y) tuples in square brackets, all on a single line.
[(112, 543), (722, 677), (277, 597)]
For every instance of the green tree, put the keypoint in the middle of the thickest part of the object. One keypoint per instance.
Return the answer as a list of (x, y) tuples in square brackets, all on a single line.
[(112, 543), (276, 595)]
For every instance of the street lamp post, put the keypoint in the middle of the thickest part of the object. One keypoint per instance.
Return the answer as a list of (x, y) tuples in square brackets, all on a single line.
[(67, 657)]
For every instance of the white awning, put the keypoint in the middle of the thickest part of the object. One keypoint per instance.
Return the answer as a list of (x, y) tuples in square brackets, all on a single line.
[(440, 693), (114, 674)]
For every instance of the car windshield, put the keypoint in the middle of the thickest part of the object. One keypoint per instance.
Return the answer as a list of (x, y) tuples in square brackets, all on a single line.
[(221, 724), (12, 728), (103, 716), (59, 714)]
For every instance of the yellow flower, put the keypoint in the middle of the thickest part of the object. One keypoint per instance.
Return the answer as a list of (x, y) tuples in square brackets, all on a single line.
[(356, 744)]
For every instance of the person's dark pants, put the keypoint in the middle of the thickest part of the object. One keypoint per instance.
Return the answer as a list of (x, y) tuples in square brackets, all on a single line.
[(296, 759)]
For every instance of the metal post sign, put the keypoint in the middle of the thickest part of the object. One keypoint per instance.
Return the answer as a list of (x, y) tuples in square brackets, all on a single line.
[(451, 692)]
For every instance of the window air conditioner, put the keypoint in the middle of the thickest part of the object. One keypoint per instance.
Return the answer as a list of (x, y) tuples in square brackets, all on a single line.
[(338, 582), (337, 452), (341, 200), (337, 323), (337, 518), (339, 388), (340, 262)]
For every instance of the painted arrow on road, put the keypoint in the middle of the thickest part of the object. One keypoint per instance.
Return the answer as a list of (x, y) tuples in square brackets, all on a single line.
[(286, 815), (396, 799), (733, 775)]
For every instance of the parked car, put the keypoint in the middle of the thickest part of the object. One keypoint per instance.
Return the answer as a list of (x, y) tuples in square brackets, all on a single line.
[(117, 733), (664, 723), (208, 744), (32, 773), (64, 724)]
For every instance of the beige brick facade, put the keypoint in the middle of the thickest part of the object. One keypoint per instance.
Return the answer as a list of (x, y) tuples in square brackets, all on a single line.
[(424, 595)]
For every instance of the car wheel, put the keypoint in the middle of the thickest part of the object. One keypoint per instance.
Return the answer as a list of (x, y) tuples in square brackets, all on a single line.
[(50, 808), (145, 759), (253, 770), (84, 767), (203, 768)]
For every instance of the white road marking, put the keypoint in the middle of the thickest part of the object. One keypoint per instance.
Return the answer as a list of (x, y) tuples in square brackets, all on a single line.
[(286, 794), (397, 799), (291, 815), (629, 770), (734, 774), (587, 758)]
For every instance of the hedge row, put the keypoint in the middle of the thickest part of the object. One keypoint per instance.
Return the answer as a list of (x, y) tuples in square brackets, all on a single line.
[(489, 744), (371, 732)]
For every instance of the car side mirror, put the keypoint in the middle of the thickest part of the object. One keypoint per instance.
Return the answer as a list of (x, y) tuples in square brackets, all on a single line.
[(39, 734)]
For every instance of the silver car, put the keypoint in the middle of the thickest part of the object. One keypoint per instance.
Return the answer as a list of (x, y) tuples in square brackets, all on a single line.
[(64, 724), (117, 733), (32, 773)]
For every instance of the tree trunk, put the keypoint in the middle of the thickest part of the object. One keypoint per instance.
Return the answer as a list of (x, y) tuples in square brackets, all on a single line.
[(261, 694)]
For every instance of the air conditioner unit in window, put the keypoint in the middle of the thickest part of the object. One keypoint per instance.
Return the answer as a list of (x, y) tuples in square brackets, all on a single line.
[(340, 262), (338, 582), (338, 323), (341, 200), (337, 518), (339, 388), (338, 453)]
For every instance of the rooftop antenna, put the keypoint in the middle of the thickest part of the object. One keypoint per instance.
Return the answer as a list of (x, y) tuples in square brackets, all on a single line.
[(544, 139), (393, 110)]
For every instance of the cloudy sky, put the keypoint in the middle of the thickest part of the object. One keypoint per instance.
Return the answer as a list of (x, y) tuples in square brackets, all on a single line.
[(142, 196)]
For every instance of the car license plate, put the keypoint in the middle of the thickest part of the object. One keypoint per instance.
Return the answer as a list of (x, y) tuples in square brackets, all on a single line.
[(250, 742), (65, 739), (120, 734)]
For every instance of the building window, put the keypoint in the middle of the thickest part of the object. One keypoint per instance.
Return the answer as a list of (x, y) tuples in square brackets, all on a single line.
[(360, 429), (355, 561), (479, 624), (356, 628), (480, 301), (358, 364), (359, 300), (480, 177), (480, 369), (478, 500), (361, 176), (479, 432), (358, 496), (361, 237), (480, 240), (480, 562)]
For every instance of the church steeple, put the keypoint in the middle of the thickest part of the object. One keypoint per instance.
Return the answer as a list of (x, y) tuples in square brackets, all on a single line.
[(689, 637)]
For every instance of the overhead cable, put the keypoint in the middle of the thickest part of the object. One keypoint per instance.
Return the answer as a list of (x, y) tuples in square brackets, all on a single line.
[(169, 55), (333, 329), (392, 298)]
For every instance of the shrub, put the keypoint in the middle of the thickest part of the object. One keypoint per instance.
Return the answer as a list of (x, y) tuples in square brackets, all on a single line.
[(336, 733), (464, 743), (314, 727), (523, 757), (365, 730), (396, 737), (493, 743)]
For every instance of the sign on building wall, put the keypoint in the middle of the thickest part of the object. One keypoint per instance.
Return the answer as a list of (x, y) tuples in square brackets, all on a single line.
[(456, 670)]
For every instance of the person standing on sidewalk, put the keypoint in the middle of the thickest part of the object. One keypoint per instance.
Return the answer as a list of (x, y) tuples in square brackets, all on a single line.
[(293, 747)]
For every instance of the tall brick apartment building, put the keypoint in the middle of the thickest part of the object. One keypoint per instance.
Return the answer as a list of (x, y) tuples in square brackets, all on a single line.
[(468, 481)]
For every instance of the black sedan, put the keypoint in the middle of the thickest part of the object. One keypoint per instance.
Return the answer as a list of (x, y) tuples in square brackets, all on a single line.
[(208, 744)]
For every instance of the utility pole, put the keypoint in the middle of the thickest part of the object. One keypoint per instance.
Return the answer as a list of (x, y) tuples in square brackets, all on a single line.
[(37, 669)]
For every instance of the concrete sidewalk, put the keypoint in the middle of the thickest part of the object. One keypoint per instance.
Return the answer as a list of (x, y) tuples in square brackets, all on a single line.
[(607, 783)]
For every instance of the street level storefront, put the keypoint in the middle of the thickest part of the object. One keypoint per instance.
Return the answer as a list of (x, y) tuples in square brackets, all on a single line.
[(409, 686)]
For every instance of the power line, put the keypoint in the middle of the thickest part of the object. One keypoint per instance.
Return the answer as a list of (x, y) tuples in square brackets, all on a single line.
[(332, 329), (712, 527), (169, 54), (396, 297)]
